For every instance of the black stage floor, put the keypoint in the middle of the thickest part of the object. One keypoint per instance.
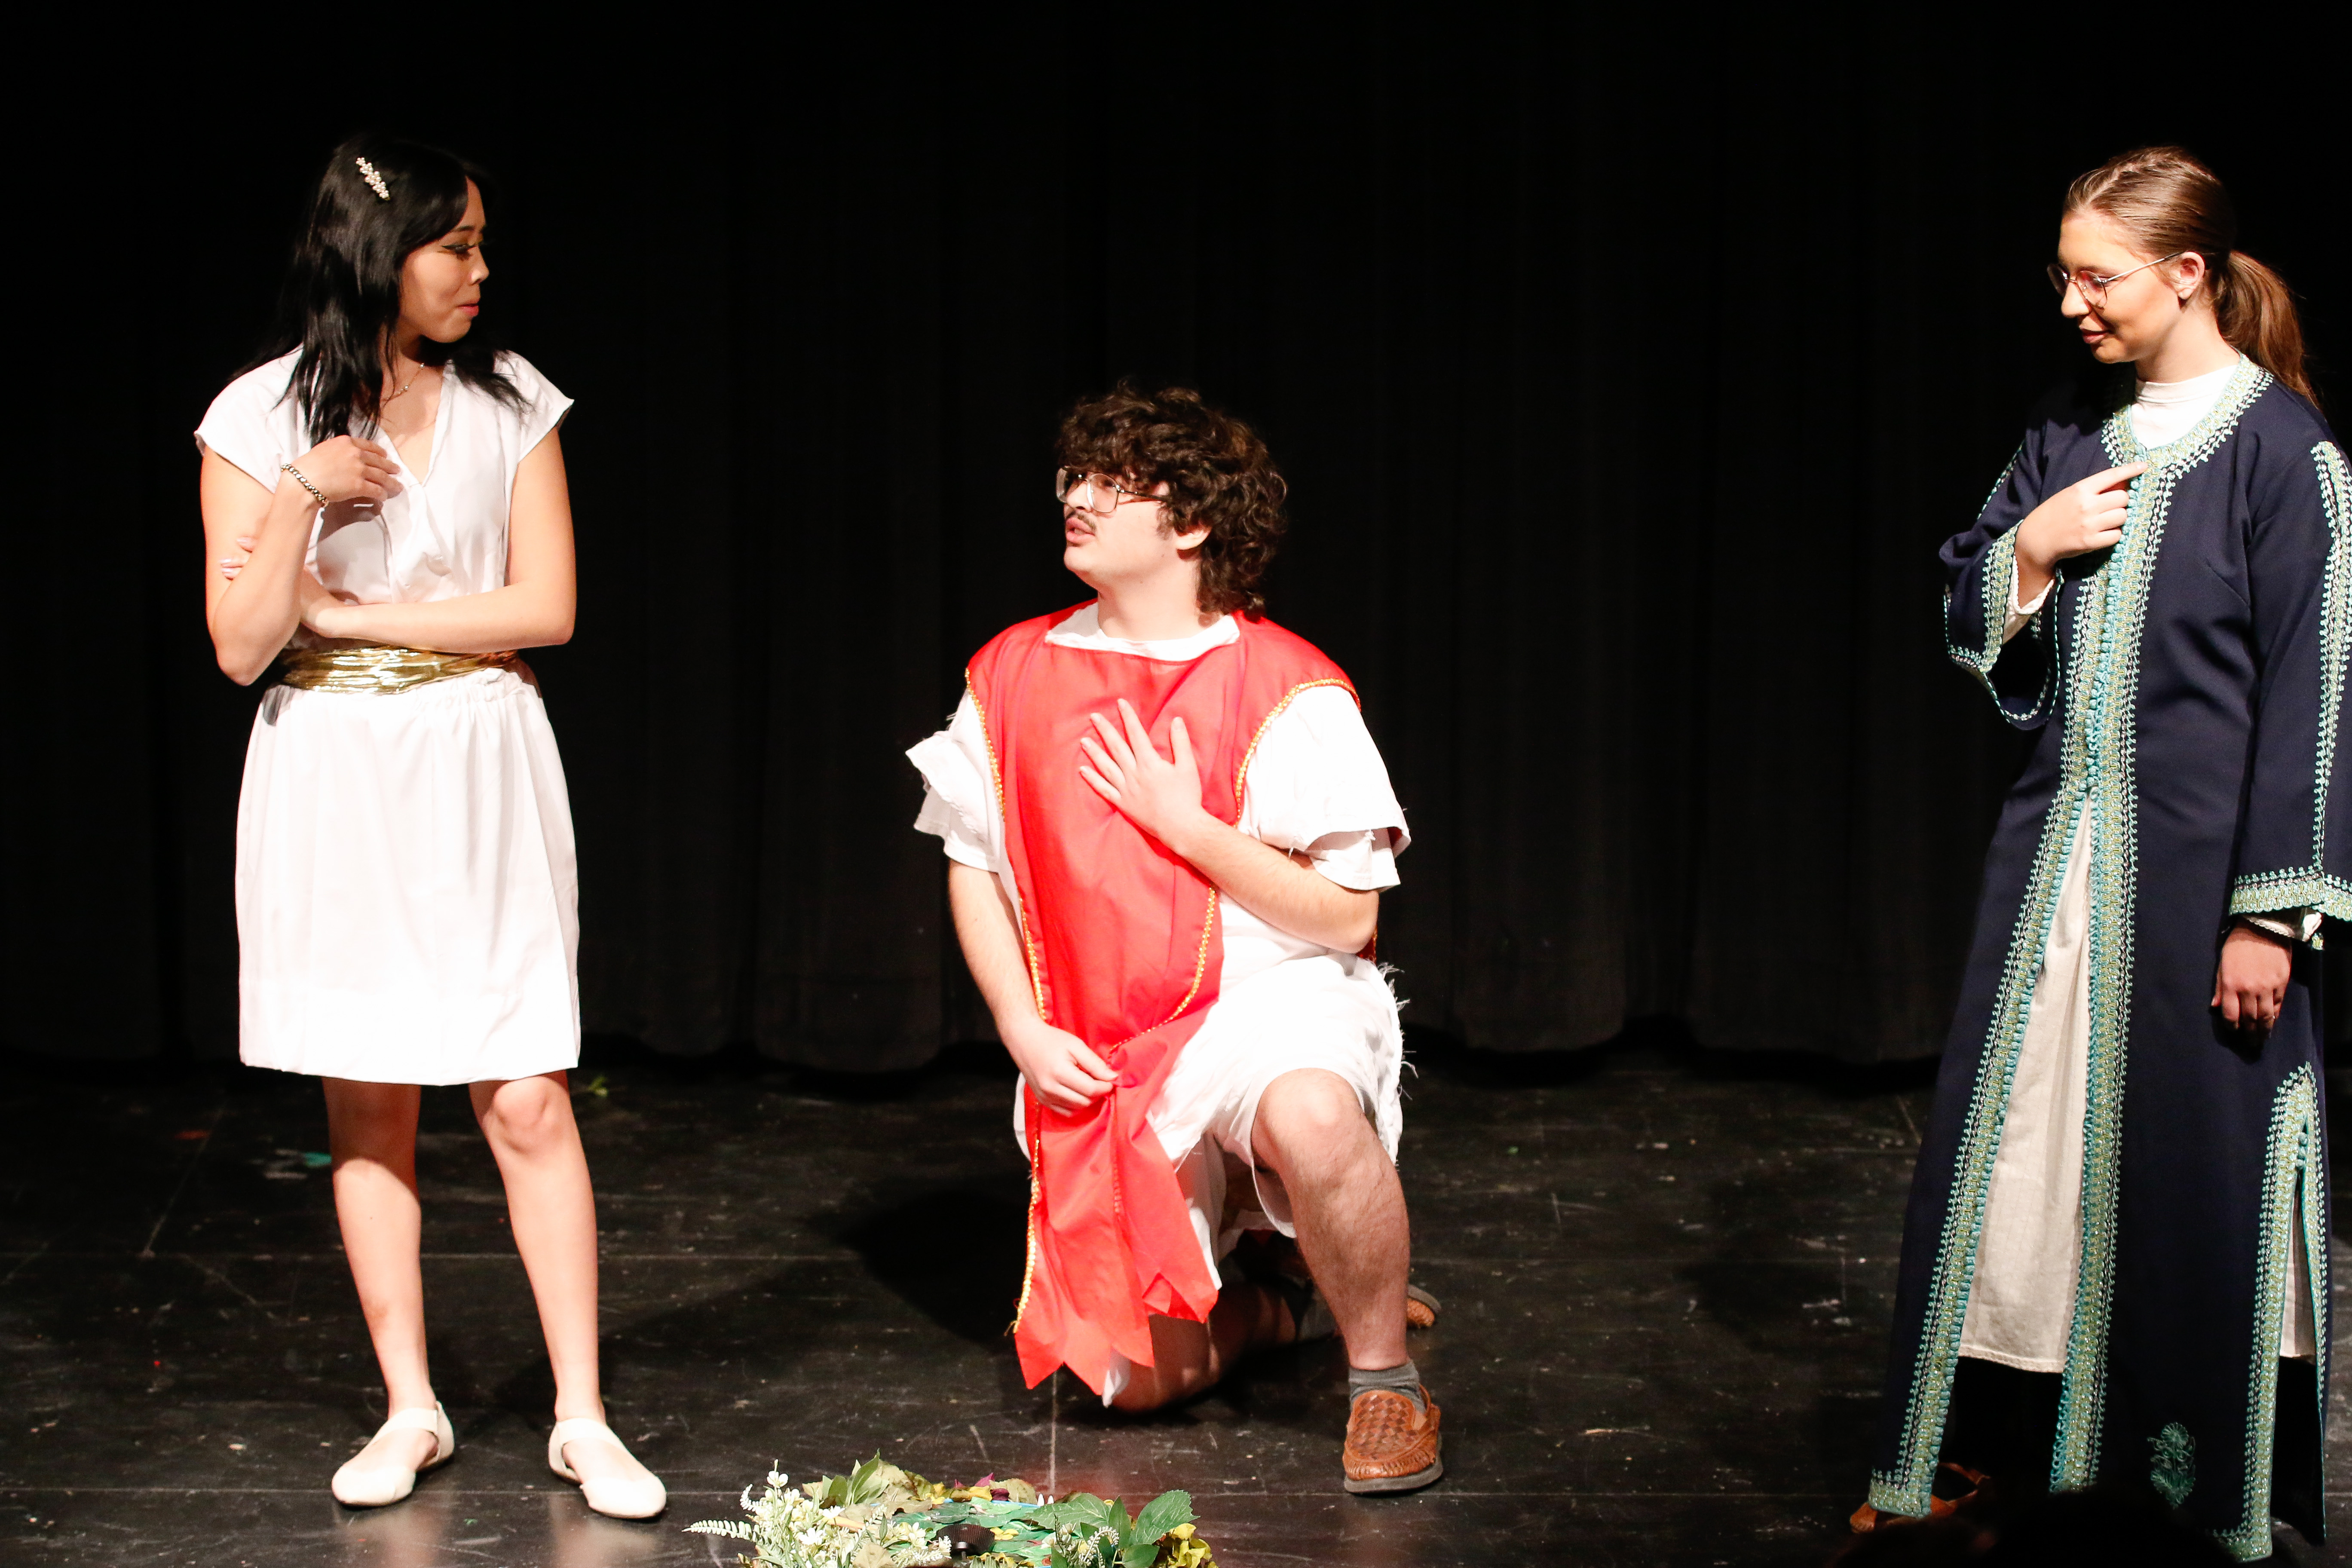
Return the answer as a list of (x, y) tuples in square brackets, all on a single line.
[(1664, 1276)]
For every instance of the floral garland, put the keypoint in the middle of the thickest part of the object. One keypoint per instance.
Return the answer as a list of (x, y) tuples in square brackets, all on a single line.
[(879, 1516)]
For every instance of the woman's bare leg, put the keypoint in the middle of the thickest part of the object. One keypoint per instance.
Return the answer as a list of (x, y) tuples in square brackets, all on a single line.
[(528, 1124), (372, 1134)]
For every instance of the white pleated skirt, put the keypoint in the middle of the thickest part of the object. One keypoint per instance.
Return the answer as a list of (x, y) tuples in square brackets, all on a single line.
[(407, 897)]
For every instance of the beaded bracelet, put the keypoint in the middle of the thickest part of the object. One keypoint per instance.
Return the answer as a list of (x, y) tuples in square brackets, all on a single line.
[(316, 493)]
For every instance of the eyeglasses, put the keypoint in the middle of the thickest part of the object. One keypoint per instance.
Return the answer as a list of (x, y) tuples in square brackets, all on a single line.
[(1097, 493), (2094, 288)]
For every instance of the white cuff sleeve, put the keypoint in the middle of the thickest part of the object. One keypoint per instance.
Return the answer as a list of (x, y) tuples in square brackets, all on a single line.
[(2020, 615), (2290, 925)]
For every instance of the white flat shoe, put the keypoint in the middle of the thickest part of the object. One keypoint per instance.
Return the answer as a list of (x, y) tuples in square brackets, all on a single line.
[(640, 1496), (375, 1476)]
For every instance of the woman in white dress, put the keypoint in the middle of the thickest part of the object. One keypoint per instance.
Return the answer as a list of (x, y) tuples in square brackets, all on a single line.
[(386, 521)]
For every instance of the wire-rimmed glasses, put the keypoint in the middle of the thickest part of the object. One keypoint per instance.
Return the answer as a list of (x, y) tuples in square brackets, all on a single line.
[(2094, 287), (1097, 493)]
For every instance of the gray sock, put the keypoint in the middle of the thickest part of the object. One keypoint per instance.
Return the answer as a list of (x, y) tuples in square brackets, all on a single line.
[(1405, 1378)]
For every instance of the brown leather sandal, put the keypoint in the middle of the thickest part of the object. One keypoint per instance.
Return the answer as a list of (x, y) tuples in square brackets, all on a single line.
[(1393, 1442)]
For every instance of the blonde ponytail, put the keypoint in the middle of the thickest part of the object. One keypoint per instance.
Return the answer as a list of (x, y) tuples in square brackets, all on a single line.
[(2256, 312)]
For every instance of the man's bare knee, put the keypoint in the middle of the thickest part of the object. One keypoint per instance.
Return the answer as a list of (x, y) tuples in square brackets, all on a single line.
[(1305, 1113)]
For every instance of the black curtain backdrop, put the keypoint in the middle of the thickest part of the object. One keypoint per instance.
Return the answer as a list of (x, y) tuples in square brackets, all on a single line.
[(1626, 386)]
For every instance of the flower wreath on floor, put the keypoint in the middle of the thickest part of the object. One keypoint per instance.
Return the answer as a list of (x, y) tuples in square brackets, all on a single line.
[(879, 1516)]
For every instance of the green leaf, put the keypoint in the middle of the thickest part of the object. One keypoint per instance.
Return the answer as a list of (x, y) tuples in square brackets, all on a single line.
[(1078, 1508), (867, 1481), (1162, 1514)]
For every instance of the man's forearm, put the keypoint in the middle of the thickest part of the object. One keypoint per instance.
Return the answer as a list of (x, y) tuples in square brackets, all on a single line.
[(1277, 889), (990, 938)]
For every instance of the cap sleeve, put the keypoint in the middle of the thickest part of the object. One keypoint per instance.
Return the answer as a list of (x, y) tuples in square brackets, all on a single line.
[(1317, 772), (960, 800), (544, 406), (251, 422)]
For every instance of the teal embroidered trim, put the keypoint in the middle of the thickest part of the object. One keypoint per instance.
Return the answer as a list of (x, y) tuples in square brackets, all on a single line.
[(2203, 439), (2106, 682), (2309, 886), (1997, 584), (2172, 1464), (2000, 587), (2006, 469), (2000, 578), (2099, 743), (2290, 1173), (2275, 890), (2335, 627), (2318, 1258), (1905, 1490)]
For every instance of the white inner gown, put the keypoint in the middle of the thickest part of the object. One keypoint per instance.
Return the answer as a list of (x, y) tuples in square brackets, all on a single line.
[(2022, 1303)]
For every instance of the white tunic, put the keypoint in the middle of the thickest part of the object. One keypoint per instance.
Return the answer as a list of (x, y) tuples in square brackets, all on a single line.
[(406, 897), (1316, 785), (2022, 1300)]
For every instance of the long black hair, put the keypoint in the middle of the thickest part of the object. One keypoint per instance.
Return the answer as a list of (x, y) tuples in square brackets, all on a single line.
[(382, 198)]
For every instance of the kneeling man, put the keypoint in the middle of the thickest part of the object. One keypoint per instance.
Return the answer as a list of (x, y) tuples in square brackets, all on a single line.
[(1169, 832)]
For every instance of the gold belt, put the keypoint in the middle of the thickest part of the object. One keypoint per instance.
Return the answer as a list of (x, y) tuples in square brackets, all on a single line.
[(378, 669)]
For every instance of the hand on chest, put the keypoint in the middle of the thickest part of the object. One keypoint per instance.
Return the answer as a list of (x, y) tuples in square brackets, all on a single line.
[(2179, 518), (1061, 738), (442, 534)]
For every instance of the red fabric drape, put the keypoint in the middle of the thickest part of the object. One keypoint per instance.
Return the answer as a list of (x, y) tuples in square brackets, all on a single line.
[(1124, 951)]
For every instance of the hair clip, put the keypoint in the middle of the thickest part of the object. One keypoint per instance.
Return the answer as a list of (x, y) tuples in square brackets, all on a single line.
[(375, 179)]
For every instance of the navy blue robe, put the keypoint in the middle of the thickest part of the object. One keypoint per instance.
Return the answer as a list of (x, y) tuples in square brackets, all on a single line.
[(2185, 689)]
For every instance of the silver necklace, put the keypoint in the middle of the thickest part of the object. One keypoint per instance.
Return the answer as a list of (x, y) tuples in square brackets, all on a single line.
[(405, 384)]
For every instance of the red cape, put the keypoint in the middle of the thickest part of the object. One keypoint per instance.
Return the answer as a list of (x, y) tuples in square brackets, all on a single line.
[(1124, 951)]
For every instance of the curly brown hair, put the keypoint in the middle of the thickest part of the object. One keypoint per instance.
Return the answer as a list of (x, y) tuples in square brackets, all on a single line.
[(1217, 472)]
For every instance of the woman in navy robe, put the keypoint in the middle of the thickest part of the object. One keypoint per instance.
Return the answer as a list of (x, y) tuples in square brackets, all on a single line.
[(2115, 1250)]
